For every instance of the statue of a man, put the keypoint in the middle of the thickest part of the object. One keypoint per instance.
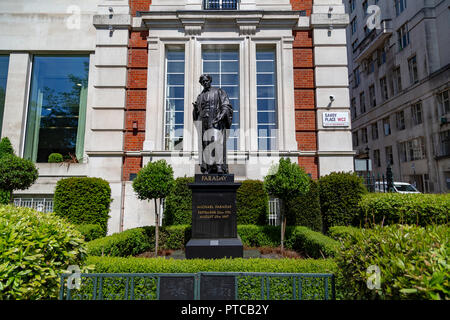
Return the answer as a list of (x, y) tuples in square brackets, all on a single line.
[(214, 112)]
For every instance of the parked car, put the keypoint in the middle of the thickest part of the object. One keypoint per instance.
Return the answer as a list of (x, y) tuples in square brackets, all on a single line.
[(399, 187)]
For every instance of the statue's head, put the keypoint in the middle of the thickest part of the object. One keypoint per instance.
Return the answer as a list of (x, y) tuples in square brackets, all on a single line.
[(205, 80)]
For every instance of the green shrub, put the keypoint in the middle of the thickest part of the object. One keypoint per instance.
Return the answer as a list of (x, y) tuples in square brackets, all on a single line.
[(340, 193), (5, 147), (91, 231), (341, 232), (35, 248), (127, 243), (312, 243), (261, 236), (252, 203), (83, 200), (304, 210), (393, 208), (55, 158), (4, 197), (178, 204), (413, 262)]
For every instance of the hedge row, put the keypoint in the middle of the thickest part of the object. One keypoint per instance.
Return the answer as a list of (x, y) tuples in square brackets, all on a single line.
[(161, 265), (413, 263), (90, 231), (138, 240), (248, 288), (393, 208)]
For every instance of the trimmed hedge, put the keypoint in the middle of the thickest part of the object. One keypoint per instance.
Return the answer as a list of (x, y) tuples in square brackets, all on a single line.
[(314, 244), (161, 265), (35, 248), (393, 208), (252, 203), (305, 210), (90, 231), (138, 240), (83, 200), (178, 204), (413, 262), (340, 193)]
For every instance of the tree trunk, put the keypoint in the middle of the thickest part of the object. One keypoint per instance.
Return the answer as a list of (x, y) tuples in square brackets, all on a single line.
[(283, 223), (156, 229), (11, 200)]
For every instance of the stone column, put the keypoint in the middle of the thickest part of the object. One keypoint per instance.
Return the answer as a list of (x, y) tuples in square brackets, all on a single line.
[(328, 22)]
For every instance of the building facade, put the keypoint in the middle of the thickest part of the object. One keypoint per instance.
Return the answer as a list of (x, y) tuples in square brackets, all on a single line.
[(399, 55), (110, 84)]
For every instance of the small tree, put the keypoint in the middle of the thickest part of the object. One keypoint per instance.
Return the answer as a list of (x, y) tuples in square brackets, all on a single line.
[(286, 181), (5, 147), (15, 173), (154, 181)]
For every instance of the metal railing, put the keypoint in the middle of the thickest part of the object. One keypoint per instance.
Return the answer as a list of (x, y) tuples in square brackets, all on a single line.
[(220, 4), (39, 204), (198, 286)]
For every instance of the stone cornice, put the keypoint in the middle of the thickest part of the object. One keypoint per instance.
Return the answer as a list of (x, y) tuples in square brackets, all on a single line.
[(194, 22)]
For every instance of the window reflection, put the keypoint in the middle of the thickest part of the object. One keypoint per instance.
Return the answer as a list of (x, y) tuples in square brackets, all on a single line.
[(4, 63), (57, 107)]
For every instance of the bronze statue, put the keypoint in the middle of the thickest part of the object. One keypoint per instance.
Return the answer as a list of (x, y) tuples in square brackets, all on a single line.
[(213, 111)]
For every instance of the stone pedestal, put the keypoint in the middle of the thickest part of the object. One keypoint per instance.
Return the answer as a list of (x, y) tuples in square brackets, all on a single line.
[(214, 228)]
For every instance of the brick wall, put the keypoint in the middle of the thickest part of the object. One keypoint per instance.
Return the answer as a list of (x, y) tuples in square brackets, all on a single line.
[(136, 93), (304, 86)]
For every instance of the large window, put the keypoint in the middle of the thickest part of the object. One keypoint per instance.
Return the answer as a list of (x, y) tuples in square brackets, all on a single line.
[(222, 64), (174, 102), (266, 99), (4, 63), (57, 107)]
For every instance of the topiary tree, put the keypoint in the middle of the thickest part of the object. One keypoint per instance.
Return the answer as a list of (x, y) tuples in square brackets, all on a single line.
[(286, 181), (16, 173), (178, 204), (154, 181), (83, 200), (252, 203), (340, 193), (304, 210), (5, 148)]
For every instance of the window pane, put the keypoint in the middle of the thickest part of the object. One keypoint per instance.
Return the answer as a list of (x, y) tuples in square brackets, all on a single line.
[(175, 79), (57, 107), (4, 63), (173, 137), (211, 67), (175, 67), (266, 79), (223, 66), (266, 99)]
